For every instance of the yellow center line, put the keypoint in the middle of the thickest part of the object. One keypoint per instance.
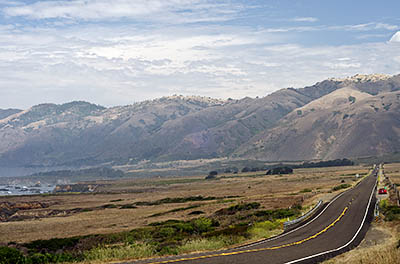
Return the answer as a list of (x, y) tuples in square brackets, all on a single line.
[(258, 249)]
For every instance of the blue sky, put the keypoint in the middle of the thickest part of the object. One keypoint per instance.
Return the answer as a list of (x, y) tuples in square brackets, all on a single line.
[(123, 51)]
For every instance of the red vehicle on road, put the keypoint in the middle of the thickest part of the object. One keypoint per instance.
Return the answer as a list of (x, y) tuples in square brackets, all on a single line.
[(382, 191)]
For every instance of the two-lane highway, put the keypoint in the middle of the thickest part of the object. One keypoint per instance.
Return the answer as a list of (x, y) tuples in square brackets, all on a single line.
[(339, 227)]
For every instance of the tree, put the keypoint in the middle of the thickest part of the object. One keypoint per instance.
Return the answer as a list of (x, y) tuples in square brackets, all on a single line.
[(212, 175), (246, 169)]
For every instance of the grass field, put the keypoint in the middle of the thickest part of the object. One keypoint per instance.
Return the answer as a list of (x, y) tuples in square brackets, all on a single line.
[(305, 186), (138, 218)]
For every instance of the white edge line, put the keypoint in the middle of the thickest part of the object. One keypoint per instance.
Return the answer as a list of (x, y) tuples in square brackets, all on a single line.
[(348, 243), (300, 227)]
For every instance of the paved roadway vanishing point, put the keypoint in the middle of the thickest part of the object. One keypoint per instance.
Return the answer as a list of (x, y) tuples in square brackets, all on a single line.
[(339, 227)]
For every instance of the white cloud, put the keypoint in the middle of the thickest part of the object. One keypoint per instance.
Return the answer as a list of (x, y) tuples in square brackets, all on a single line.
[(119, 63), (305, 19), (119, 66), (341, 65), (367, 27), (371, 36), (174, 11), (395, 37), (356, 28)]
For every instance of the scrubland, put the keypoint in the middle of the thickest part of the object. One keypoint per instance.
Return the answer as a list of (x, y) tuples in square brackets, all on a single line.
[(139, 218)]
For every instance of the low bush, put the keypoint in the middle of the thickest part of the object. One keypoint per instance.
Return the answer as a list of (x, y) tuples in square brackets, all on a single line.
[(117, 200), (280, 170), (391, 212), (39, 258), (128, 206), (11, 256), (202, 225), (278, 213), (341, 186), (237, 208), (109, 206), (52, 245), (196, 213)]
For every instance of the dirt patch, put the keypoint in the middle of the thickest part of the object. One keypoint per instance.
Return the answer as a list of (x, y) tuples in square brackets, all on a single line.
[(376, 235)]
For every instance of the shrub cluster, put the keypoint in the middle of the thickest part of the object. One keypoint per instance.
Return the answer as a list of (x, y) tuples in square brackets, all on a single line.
[(159, 238), (327, 163), (280, 170), (238, 207), (278, 213), (14, 256), (391, 212), (341, 186)]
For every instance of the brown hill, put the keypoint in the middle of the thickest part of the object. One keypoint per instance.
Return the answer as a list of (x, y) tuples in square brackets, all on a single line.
[(318, 121), (345, 123)]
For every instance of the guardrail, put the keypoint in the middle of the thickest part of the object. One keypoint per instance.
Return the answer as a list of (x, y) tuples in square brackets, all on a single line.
[(287, 224)]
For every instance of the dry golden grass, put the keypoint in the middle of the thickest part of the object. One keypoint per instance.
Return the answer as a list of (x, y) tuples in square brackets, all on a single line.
[(270, 191), (393, 171)]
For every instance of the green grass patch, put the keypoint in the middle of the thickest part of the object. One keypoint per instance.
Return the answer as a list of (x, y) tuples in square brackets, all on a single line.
[(265, 229), (341, 187), (208, 244), (134, 251)]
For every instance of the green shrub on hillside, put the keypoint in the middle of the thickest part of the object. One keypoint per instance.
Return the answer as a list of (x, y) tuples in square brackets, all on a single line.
[(391, 212), (341, 186), (11, 256), (237, 208)]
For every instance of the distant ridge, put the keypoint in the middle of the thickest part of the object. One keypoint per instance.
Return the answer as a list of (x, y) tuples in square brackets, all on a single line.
[(8, 112), (335, 118)]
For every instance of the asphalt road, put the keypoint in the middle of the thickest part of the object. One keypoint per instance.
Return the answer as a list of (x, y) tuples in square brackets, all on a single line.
[(338, 228)]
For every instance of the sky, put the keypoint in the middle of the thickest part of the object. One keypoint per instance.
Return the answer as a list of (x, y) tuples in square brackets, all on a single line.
[(124, 51)]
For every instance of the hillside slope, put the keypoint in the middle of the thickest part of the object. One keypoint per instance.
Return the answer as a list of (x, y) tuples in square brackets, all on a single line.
[(287, 124), (345, 123)]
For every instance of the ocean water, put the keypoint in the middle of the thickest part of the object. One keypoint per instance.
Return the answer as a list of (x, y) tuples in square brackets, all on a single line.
[(15, 189)]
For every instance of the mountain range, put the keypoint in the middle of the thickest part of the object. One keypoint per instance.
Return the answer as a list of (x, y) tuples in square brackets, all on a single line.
[(336, 118)]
